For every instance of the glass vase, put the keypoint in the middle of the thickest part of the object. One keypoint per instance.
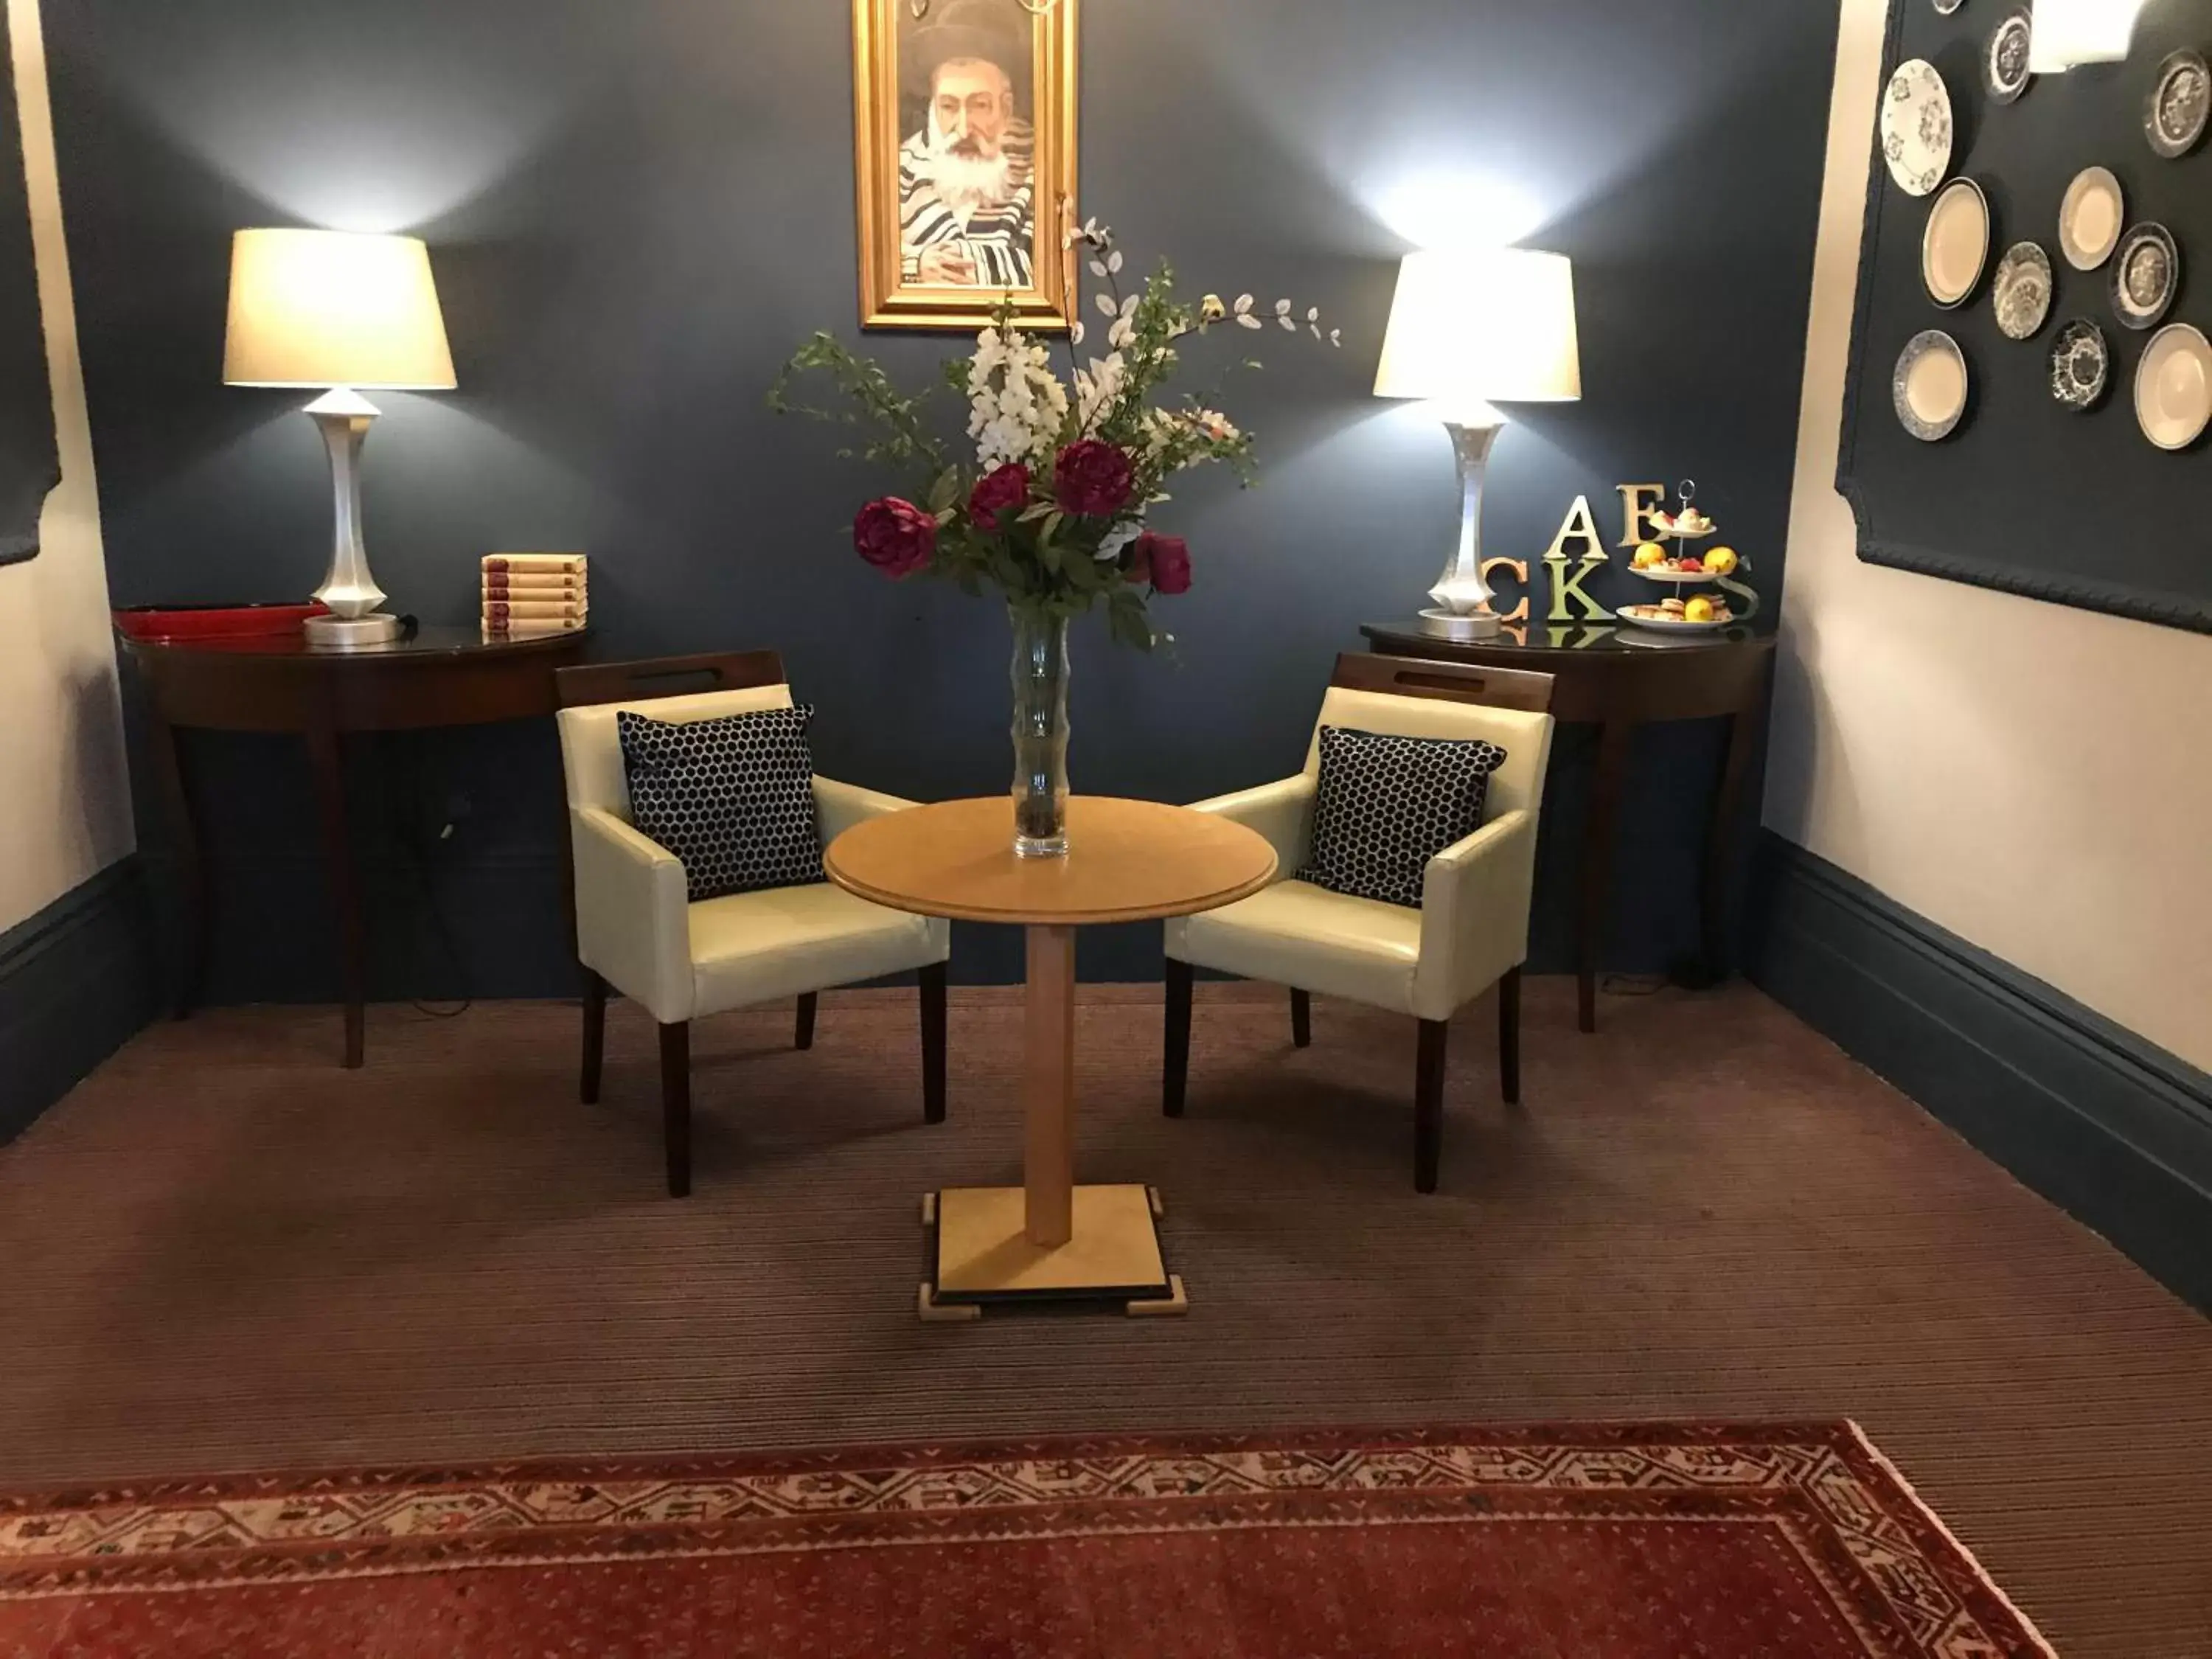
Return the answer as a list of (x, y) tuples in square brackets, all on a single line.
[(1040, 733)]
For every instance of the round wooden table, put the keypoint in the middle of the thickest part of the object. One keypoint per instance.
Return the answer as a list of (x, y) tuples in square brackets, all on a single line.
[(1127, 860)]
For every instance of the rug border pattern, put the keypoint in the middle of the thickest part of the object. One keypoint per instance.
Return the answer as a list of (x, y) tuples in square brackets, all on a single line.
[(1890, 1565)]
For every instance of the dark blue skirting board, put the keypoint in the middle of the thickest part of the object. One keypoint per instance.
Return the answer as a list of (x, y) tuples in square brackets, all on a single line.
[(2114, 1130)]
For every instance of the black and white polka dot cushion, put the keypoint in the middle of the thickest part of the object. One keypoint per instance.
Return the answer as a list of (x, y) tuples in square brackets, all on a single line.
[(1386, 805), (732, 797)]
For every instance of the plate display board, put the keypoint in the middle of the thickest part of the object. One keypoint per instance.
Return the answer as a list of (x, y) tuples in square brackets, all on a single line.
[(30, 465), (2024, 494)]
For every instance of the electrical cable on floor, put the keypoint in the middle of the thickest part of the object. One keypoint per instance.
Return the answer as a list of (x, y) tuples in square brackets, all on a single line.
[(419, 854)]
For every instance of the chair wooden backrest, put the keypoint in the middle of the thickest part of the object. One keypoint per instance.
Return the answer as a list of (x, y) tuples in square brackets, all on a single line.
[(677, 688), (665, 676), (1414, 677), (1410, 698)]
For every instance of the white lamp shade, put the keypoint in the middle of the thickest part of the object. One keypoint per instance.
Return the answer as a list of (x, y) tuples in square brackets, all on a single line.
[(1480, 326), (331, 308), (2066, 33)]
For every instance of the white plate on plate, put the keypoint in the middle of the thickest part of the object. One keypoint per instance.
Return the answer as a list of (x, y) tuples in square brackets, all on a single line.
[(1954, 244), (1929, 387), (1916, 127), (1652, 617), (2020, 295), (2004, 62), (2180, 100), (2091, 218), (2173, 386), (2146, 272), (1661, 573)]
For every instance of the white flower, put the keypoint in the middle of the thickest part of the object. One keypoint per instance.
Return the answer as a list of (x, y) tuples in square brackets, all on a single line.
[(1097, 388), (1016, 404), (1119, 538)]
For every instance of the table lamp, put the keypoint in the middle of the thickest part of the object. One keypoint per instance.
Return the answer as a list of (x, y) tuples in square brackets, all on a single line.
[(333, 309), (1466, 329)]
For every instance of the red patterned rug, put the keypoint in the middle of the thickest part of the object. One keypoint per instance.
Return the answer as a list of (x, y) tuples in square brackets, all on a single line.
[(1592, 1542)]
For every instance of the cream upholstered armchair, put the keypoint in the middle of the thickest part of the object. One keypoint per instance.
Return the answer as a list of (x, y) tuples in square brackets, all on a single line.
[(1471, 930), (637, 932)]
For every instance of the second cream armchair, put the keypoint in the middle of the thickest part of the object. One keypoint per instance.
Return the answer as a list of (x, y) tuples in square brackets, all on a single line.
[(1471, 930)]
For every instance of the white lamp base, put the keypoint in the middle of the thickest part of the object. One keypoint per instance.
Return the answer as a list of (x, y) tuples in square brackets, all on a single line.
[(1453, 625), (343, 417), (351, 633)]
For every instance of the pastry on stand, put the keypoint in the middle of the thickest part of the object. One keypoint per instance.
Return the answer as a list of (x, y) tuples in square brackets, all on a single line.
[(1684, 567)]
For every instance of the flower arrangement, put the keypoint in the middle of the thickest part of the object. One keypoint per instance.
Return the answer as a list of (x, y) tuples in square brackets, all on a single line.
[(1052, 509)]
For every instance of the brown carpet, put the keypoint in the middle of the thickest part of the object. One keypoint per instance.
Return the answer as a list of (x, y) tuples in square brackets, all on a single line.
[(224, 1252)]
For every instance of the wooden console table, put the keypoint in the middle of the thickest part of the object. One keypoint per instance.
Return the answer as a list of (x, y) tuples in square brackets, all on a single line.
[(435, 677), (1616, 679)]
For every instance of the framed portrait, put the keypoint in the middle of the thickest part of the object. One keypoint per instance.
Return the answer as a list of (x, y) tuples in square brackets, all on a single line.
[(964, 159)]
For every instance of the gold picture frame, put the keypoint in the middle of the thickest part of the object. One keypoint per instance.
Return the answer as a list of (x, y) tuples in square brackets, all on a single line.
[(907, 122)]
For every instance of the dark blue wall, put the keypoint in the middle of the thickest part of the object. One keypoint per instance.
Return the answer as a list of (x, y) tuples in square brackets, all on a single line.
[(636, 210)]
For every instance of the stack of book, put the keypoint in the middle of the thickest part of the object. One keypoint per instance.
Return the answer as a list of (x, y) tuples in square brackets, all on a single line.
[(530, 595)]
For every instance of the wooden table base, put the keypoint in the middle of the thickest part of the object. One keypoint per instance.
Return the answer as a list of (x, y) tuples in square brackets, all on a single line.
[(1048, 1240), (982, 1256)]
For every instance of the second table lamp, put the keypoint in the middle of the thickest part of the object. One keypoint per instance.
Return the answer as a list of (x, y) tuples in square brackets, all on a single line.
[(1469, 329)]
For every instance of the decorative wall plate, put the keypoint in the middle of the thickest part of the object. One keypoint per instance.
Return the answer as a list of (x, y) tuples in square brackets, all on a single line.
[(2080, 364), (2091, 218), (2021, 294), (1929, 385), (2004, 64), (2180, 100), (2173, 386), (1947, 7), (1954, 246), (1916, 127), (2145, 274)]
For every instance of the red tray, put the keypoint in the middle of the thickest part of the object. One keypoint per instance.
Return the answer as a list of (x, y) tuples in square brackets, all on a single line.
[(213, 621)]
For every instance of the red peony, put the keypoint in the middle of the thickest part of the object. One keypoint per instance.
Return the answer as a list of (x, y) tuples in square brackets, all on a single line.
[(895, 537), (1092, 478), (999, 490), (1163, 561)]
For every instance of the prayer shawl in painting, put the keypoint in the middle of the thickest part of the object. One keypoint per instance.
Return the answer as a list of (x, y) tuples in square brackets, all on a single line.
[(999, 238)]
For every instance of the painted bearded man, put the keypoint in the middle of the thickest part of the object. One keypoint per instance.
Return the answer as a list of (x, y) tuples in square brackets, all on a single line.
[(967, 211)]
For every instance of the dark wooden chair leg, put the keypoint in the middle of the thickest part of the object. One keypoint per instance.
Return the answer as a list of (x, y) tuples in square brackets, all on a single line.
[(933, 1043), (595, 1035), (1508, 1036), (1301, 1019), (1429, 1104), (676, 1105), (805, 1038), (1175, 1069)]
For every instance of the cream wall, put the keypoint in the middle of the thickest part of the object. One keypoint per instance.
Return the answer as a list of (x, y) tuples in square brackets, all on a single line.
[(64, 796), (2034, 778)]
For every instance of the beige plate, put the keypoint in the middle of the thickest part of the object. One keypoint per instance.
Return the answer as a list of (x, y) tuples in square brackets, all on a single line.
[(2091, 218), (1954, 247), (2173, 386)]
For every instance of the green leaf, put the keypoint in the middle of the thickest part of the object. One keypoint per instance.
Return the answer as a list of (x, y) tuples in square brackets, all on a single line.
[(942, 492)]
